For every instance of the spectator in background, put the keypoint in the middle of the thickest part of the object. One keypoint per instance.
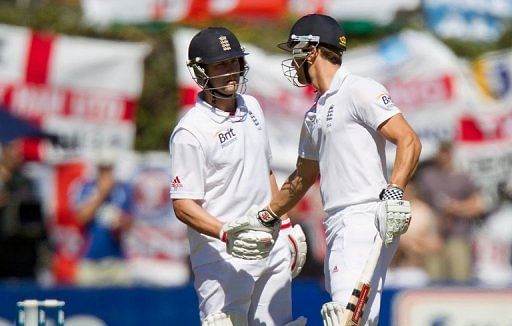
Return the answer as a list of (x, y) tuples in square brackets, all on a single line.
[(103, 206), (459, 204), (493, 242), (422, 240), (23, 245)]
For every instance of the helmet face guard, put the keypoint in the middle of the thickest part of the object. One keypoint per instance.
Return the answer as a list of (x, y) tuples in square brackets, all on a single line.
[(306, 34), (213, 45), (300, 48), (203, 80)]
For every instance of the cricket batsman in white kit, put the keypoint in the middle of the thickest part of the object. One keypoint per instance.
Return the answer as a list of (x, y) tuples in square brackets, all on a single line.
[(343, 139), (220, 158)]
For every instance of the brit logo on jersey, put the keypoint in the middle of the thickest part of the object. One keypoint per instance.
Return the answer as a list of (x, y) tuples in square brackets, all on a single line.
[(385, 100), (226, 137), (176, 184)]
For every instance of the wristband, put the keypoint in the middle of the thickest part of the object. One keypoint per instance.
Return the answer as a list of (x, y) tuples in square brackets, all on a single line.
[(267, 217), (391, 192), (223, 236), (286, 224), (394, 185)]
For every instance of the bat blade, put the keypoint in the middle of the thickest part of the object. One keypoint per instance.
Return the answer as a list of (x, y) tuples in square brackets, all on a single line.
[(357, 303), (355, 307)]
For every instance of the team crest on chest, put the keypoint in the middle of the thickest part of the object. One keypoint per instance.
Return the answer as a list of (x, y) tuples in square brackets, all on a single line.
[(330, 114), (255, 120)]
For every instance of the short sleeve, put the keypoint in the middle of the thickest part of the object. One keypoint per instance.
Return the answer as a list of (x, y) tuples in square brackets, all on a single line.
[(187, 166), (268, 151), (307, 148), (373, 105)]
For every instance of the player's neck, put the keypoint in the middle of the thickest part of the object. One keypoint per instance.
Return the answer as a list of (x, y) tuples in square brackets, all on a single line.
[(324, 75), (224, 104)]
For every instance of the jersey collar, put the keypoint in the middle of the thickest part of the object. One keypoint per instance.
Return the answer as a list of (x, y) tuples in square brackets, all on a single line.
[(221, 116), (337, 80)]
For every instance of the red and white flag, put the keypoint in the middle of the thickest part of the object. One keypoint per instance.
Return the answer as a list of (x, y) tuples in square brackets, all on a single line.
[(84, 90), (104, 12)]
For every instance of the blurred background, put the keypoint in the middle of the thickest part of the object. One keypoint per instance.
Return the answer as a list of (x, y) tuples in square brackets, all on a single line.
[(90, 91)]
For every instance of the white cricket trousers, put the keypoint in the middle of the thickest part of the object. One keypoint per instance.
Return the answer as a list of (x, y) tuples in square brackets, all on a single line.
[(259, 289), (350, 234)]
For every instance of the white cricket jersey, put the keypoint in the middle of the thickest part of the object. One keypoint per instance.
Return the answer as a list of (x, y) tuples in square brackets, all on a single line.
[(223, 161), (340, 131)]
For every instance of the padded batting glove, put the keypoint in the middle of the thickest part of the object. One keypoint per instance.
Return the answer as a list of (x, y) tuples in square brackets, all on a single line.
[(332, 313), (393, 215), (247, 238), (297, 245)]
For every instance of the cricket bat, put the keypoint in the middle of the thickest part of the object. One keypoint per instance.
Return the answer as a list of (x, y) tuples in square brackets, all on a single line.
[(355, 307)]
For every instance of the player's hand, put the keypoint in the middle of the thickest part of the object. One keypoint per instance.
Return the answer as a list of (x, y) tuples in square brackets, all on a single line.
[(247, 238), (392, 219), (394, 214), (249, 244), (332, 313), (297, 244)]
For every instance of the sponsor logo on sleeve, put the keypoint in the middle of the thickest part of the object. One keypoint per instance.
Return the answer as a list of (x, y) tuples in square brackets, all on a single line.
[(385, 100), (176, 184)]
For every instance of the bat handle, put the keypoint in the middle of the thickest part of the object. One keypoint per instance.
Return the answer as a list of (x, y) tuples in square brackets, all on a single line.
[(357, 303), (371, 262)]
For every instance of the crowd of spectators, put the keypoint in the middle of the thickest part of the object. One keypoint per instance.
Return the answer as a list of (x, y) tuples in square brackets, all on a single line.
[(455, 237)]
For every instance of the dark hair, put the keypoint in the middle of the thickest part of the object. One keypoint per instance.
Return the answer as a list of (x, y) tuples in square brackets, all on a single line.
[(330, 55)]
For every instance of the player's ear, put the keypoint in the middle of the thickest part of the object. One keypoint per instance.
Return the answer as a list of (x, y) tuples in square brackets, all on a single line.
[(312, 55)]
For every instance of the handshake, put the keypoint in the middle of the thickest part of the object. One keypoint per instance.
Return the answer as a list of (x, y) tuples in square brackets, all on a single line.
[(252, 237)]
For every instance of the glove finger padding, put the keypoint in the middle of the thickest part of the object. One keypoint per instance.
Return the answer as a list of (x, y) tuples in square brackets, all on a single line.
[(392, 219), (247, 238), (332, 313), (225, 319), (298, 249), (249, 244)]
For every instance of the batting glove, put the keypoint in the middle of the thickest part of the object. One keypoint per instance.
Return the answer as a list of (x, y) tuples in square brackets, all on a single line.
[(247, 238), (332, 313), (297, 244), (393, 214)]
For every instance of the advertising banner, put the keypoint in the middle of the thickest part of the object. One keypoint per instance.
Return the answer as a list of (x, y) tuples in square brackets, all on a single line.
[(453, 307), (493, 76), (424, 78), (477, 20), (103, 12)]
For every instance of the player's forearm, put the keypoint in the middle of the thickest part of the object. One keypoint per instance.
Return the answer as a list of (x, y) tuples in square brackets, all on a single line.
[(294, 188), (408, 151), (190, 213)]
